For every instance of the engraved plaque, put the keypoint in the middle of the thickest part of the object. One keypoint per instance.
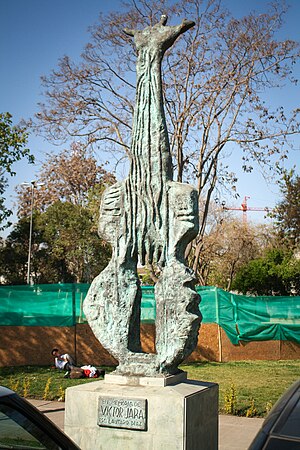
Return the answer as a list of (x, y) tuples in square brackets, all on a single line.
[(119, 412)]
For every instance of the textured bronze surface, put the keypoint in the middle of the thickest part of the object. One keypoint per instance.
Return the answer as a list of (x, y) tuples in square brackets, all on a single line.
[(148, 218)]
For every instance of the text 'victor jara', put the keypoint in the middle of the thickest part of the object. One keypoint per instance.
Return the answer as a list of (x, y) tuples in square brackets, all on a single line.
[(120, 412)]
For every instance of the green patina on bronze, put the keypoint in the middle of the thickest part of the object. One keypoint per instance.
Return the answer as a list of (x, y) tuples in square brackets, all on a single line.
[(148, 217)]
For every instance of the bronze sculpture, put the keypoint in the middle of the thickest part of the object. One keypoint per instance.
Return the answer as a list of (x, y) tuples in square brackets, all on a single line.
[(148, 217)]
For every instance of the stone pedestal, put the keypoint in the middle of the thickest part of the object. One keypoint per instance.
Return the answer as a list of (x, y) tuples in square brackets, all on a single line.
[(131, 413)]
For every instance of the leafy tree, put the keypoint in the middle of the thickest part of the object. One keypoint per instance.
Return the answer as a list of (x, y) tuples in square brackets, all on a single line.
[(67, 234), (214, 85), (227, 247), (277, 273), (13, 140), (291, 275), (65, 244), (14, 257), (235, 245), (14, 254), (4, 212), (64, 248), (70, 176), (287, 212)]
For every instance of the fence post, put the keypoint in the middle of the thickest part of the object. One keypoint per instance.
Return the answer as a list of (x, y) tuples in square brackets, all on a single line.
[(218, 324), (74, 320)]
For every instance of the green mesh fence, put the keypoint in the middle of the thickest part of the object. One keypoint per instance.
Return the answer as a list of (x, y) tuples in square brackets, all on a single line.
[(57, 305), (242, 317), (251, 318)]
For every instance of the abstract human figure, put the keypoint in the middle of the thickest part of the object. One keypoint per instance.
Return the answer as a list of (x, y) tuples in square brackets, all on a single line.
[(151, 218)]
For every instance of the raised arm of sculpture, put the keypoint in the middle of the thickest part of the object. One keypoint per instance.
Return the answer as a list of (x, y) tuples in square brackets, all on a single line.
[(162, 36)]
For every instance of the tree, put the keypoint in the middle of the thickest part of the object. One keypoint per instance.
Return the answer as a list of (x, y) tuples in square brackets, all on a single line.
[(227, 247), (45, 268), (230, 246), (65, 248), (65, 245), (70, 176), (4, 212), (214, 84), (287, 212), (13, 140), (67, 233), (276, 273), (14, 254)]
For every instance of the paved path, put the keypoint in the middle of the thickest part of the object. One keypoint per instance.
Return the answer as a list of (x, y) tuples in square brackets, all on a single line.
[(53, 410), (235, 433)]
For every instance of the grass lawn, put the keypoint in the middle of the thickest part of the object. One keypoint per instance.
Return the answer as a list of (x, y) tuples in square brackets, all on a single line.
[(257, 384), (250, 386), (40, 382)]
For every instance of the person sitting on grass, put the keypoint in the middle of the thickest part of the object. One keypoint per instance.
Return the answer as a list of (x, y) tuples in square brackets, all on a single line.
[(63, 361)]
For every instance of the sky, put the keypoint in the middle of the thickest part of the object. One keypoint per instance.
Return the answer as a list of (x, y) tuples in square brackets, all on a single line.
[(34, 34)]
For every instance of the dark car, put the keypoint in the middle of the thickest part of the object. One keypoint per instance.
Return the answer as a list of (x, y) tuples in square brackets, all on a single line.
[(22, 426), (281, 428)]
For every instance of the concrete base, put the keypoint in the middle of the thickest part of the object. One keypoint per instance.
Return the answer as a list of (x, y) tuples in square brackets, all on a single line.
[(179, 416), (136, 380)]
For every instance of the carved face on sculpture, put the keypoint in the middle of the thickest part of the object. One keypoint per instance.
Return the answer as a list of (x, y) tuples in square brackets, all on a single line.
[(185, 223)]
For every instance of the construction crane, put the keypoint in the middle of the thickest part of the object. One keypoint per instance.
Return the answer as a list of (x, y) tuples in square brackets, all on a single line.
[(244, 208)]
